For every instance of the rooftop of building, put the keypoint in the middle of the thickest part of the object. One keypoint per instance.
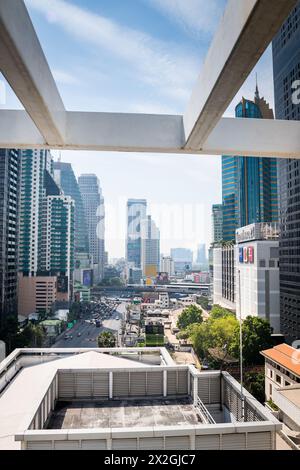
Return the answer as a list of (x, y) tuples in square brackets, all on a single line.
[(124, 414), (286, 356), (292, 393), (103, 390)]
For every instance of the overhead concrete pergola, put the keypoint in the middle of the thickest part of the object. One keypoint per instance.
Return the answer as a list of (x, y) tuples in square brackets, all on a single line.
[(246, 30)]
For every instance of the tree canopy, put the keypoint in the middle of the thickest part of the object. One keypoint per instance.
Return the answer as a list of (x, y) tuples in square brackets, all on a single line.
[(256, 334), (106, 339), (219, 312), (189, 316)]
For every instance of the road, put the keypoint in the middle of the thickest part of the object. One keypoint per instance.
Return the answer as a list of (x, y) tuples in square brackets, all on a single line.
[(89, 332)]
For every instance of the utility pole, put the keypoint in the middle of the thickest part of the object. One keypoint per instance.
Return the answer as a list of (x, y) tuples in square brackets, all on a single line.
[(241, 350)]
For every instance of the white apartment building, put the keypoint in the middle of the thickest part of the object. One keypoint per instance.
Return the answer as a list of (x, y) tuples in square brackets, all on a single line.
[(224, 276), (282, 384), (167, 265), (257, 273)]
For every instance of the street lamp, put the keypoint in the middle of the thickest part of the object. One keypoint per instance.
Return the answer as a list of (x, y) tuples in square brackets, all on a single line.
[(241, 350)]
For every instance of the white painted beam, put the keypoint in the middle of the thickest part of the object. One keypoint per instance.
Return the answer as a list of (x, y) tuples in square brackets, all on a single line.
[(246, 30), (25, 67), (254, 137), (155, 134), (125, 132)]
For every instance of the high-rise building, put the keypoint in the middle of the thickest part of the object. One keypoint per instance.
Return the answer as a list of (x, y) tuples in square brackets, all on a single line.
[(93, 203), (65, 178), (224, 276), (217, 223), (57, 248), (46, 232), (36, 169), (9, 208), (150, 247), (136, 212), (286, 61), (183, 259), (201, 254), (167, 265), (257, 273), (249, 184)]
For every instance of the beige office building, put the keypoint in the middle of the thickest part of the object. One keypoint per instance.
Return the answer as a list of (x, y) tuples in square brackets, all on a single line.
[(36, 294)]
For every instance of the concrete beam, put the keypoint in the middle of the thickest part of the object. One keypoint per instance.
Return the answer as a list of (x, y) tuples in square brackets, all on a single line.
[(25, 67), (155, 134), (254, 138), (246, 30), (125, 132)]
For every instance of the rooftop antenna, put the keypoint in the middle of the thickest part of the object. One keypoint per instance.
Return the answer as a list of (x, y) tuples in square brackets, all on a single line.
[(257, 97)]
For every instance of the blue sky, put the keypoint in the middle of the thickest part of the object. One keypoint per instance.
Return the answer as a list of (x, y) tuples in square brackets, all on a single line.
[(139, 56)]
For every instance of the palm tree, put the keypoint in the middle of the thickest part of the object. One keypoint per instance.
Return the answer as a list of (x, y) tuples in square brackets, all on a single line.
[(106, 339)]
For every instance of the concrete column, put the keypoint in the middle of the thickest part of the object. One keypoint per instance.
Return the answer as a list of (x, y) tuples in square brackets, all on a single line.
[(192, 441), (165, 383), (195, 390), (111, 383)]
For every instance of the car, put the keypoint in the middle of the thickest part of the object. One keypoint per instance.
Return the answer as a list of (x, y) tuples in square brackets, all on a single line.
[(117, 318), (78, 334), (71, 337), (66, 337)]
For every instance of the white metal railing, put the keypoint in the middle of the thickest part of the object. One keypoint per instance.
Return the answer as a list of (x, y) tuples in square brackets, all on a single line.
[(204, 413)]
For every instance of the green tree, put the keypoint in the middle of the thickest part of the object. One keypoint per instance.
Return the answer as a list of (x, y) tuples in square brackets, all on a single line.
[(215, 333), (203, 302), (9, 331), (256, 334), (189, 316), (219, 312), (255, 384), (106, 339)]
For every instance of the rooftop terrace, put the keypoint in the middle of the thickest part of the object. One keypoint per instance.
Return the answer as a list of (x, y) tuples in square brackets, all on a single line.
[(124, 414), (100, 399)]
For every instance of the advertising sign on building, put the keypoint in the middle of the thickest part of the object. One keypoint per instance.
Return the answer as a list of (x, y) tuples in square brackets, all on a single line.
[(251, 254), (87, 278), (246, 255)]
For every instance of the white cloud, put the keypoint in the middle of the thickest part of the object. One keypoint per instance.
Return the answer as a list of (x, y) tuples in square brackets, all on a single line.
[(154, 62), (196, 17)]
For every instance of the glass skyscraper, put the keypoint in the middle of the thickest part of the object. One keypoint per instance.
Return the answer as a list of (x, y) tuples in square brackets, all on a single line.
[(286, 60), (136, 212), (66, 179), (93, 203), (249, 184), (150, 247), (9, 212)]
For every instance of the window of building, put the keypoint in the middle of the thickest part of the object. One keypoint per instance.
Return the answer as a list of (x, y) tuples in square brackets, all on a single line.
[(286, 384), (262, 263), (271, 389), (278, 379), (271, 374)]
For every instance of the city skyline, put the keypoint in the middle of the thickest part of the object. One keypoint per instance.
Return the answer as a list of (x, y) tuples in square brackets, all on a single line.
[(177, 40)]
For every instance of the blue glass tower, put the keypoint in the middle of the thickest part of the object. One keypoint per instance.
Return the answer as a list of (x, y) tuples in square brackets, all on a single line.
[(249, 184)]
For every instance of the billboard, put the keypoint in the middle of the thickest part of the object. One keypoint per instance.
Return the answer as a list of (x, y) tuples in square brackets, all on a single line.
[(87, 278), (246, 255)]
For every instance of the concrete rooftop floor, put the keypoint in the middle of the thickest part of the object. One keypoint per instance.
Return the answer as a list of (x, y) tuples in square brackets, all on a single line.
[(119, 414)]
